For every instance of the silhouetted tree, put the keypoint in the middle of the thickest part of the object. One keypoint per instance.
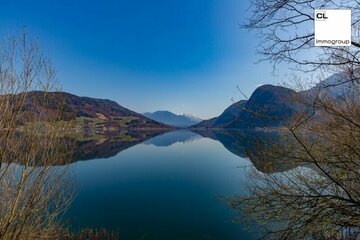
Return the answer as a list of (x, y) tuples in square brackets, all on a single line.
[(321, 199), (33, 194)]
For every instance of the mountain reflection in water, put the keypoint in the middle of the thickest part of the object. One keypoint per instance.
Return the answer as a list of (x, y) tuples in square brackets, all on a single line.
[(241, 143), (166, 185)]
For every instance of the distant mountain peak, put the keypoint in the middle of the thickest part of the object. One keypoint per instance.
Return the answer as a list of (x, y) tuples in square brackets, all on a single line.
[(192, 117), (172, 119)]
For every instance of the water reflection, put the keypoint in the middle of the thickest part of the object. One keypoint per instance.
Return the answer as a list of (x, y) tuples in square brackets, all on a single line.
[(167, 185), (170, 138), (244, 144), (248, 144), (94, 146)]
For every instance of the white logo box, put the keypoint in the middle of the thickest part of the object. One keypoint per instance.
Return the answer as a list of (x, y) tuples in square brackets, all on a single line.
[(332, 27)]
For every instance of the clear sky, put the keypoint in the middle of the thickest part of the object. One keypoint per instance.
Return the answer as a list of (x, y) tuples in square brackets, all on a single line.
[(186, 56)]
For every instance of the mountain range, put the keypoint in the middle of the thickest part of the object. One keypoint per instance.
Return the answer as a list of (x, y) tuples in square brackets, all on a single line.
[(84, 112), (172, 119), (273, 106), (268, 106)]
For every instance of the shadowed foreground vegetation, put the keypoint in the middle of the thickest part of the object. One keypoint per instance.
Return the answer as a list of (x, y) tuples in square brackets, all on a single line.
[(36, 187), (33, 193), (320, 199), (92, 234)]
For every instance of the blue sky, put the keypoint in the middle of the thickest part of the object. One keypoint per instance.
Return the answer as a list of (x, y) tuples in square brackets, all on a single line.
[(186, 56)]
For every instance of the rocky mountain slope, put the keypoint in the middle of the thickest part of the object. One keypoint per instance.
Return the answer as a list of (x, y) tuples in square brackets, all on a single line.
[(268, 106)]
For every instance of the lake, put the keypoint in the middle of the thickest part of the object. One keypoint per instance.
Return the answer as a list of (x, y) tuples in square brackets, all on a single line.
[(166, 186)]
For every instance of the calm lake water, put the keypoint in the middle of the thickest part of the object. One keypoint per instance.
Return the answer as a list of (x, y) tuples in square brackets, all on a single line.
[(166, 187)]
